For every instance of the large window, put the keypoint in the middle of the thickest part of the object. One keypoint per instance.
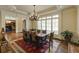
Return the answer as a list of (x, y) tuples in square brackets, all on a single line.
[(55, 24), (43, 25), (39, 24), (49, 23)]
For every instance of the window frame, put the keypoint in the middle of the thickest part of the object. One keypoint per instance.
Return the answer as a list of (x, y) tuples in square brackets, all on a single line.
[(51, 18)]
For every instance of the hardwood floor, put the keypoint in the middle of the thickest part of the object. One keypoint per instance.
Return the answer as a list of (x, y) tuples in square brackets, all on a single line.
[(56, 47), (11, 37), (73, 48), (59, 46)]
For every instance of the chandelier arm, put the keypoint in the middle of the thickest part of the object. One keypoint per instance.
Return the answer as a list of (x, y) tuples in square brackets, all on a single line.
[(34, 9)]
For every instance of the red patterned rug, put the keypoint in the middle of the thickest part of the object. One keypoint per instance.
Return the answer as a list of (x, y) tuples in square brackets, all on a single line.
[(30, 48)]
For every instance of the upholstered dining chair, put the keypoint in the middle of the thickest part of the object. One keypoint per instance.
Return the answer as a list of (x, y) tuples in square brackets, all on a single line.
[(38, 31), (27, 36), (33, 34), (51, 37), (44, 31)]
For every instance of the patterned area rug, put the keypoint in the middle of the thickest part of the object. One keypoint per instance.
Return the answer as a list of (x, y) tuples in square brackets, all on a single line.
[(31, 48)]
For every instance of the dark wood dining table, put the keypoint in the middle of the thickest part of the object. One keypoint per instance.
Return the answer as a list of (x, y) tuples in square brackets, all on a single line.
[(41, 39)]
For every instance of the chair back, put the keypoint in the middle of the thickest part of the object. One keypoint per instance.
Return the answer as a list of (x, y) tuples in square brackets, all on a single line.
[(38, 31), (51, 36), (33, 34), (44, 31), (27, 36)]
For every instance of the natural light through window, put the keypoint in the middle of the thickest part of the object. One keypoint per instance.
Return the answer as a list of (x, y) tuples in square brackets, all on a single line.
[(43, 24), (39, 24), (49, 23)]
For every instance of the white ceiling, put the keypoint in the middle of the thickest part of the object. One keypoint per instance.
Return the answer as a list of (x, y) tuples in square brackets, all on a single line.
[(28, 8)]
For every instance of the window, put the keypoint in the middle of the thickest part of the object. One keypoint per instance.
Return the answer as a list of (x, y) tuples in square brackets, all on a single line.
[(55, 26), (55, 23), (55, 16), (43, 24), (49, 23), (39, 24)]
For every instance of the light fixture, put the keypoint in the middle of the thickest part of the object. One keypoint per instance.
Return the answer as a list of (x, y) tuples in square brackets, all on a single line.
[(34, 16)]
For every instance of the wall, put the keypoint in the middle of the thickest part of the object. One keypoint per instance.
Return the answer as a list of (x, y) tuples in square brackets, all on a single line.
[(18, 17), (78, 21), (28, 23), (0, 20), (19, 23), (69, 19), (4, 14)]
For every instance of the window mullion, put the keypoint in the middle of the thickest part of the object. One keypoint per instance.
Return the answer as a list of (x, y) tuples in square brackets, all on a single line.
[(46, 23), (51, 24), (41, 24)]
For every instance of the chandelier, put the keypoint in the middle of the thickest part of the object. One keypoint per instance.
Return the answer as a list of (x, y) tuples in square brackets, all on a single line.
[(34, 16)]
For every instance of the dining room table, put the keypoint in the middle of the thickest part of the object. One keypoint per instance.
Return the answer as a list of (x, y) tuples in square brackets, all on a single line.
[(41, 39)]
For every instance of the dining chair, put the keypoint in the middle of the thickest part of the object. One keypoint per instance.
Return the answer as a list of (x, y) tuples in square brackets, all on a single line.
[(38, 31), (44, 31), (27, 37)]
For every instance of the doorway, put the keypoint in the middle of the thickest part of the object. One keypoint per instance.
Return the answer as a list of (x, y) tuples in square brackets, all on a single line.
[(10, 26)]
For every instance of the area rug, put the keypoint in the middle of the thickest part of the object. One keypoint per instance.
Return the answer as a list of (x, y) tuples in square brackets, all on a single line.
[(30, 48)]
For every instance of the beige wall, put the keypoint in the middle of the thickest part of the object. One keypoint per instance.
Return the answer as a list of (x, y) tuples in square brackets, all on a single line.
[(0, 20), (19, 24), (78, 21), (28, 23), (69, 19)]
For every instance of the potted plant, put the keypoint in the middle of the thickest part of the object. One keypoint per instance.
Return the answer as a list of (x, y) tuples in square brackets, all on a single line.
[(67, 35)]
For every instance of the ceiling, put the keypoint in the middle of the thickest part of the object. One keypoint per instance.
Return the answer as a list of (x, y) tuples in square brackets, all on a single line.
[(25, 8), (29, 8)]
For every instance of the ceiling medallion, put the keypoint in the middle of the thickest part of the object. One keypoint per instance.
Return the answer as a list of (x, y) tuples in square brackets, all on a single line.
[(34, 16)]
